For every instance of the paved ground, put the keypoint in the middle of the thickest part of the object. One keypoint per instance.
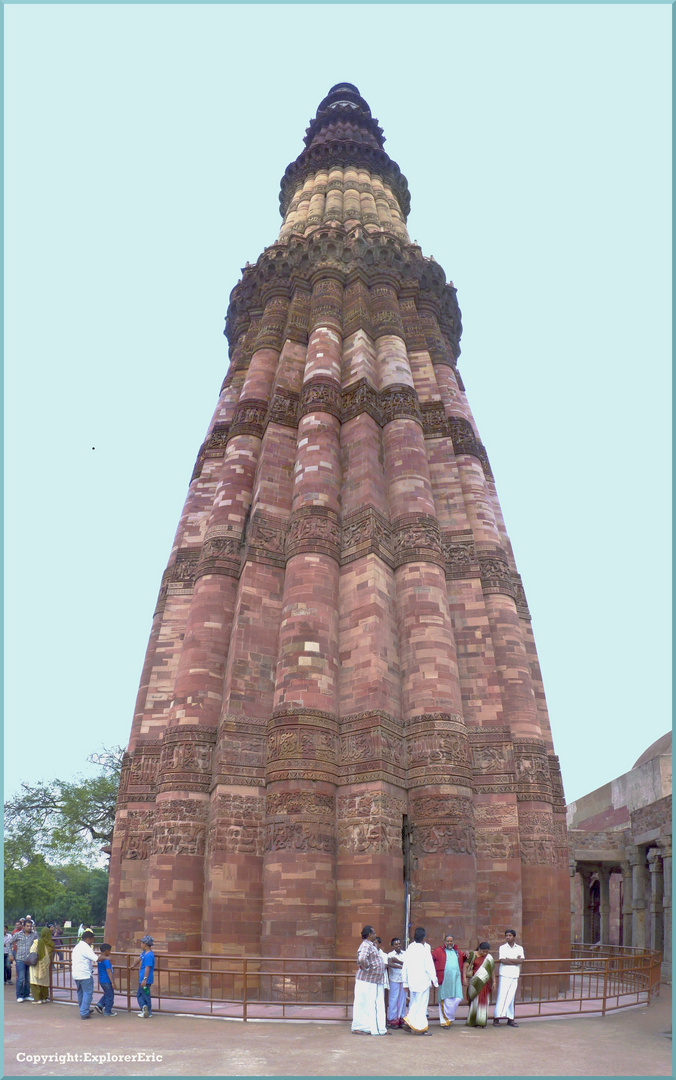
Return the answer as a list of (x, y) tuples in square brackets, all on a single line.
[(631, 1043)]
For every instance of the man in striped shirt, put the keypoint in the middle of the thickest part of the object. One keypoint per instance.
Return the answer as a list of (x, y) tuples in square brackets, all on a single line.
[(368, 1013), (23, 941)]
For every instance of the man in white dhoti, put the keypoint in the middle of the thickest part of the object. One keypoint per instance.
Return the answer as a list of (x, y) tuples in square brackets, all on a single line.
[(368, 1012), (509, 959), (418, 974)]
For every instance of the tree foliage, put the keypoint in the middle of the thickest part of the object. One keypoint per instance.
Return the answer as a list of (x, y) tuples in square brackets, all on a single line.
[(66, 819), (56, 893), (55, 835)]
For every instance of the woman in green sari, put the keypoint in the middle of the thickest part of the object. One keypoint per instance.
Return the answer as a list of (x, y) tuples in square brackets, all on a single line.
[(39, 973), (480, 982)]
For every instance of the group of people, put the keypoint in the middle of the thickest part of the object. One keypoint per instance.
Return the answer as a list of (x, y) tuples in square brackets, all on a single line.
[(83, 959), (413, 972), (31, 954)]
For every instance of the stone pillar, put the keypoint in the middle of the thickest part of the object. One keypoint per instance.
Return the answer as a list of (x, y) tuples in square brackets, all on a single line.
[(638, 891), (665, 847), (175, 896), (585, 877), (604, 905), (469, 526), (572, 870), (233, 887), (371, 799), (656, 904), (299, 910), (626, 914), (439, 769)]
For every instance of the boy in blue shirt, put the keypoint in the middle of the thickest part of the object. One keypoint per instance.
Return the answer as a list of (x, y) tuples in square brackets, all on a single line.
[(146, 975), (106, 984)]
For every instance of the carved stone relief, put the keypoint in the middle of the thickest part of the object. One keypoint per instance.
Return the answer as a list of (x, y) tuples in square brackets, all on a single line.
[(497, 845), (372, 837), (314, 529), (315, 804), (300, 836), (138, 834), (266, 539), (538, 852), (360, 397), (320, 395), (435, 424), (221, 551), (249, 418), (503, 814), (416, 539), (363, 533), (441, 807), (442, 839), (284, 408), (179, 827), (236, 825), (400, 402), (492, 758), (460, 555), (496, 575)]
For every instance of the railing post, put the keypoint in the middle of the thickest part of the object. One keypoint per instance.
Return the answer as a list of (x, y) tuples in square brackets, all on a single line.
[(605, 986), (128, 985), (244, 989)]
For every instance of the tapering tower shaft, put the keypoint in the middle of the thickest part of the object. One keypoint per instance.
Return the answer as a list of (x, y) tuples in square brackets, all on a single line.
[(341, 702)]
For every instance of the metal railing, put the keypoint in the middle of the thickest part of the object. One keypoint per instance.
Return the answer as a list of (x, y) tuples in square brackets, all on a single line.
[(593, 980)]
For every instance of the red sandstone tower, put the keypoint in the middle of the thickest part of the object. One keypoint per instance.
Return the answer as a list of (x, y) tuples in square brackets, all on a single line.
[(341, 707)]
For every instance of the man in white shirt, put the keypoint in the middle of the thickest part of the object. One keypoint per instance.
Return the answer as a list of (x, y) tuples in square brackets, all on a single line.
[(418, 974), (509, 959), (397, 1000), (83, 959)]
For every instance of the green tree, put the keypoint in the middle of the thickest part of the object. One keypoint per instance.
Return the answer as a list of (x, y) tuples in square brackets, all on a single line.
[(63, 819), (28, 888), (54, 832)]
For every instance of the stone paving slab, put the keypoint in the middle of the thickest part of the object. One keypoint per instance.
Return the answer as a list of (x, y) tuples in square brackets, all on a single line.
[(627, 1043)]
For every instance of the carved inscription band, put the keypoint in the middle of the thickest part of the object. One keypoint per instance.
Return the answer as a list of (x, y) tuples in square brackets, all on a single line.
[(412, 538)]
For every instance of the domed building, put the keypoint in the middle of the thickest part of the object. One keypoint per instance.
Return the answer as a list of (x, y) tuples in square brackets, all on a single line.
[(620, 852)]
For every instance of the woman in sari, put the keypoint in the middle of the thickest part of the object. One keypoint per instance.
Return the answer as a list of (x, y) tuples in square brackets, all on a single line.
[(39, 973), (479, 970)]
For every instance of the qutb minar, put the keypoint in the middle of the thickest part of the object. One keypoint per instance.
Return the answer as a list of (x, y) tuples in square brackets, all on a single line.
[(341, 718)]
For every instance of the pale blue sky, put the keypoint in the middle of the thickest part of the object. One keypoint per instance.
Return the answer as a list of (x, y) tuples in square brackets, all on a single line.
[(144, 149)]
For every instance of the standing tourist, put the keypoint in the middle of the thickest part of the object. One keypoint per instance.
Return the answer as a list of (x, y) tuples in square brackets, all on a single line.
[(509, 959), (83, 959), (397, 1000), (450, 966), (386, 984), (480, 982), (146, 976), (418, 975), (23, 940), (368, 1012), (57, 939), (39, 973), (106, 984), (9, 955)]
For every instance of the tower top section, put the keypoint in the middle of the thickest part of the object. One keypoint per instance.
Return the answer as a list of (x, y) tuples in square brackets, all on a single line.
[(344, 133)]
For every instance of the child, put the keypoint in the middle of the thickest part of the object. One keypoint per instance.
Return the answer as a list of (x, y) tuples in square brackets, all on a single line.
[(146, 975), (106, 984)]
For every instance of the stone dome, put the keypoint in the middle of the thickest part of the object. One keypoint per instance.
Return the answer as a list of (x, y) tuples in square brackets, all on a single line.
[(660, 747)]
